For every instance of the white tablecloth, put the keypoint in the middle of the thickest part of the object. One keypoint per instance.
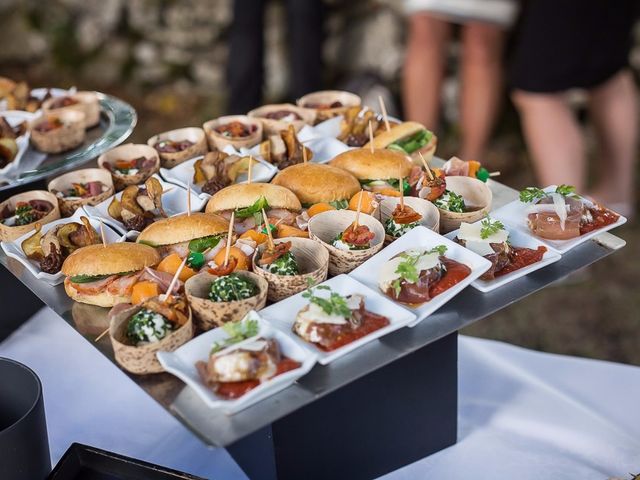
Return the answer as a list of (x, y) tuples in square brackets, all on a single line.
[(523, 414)]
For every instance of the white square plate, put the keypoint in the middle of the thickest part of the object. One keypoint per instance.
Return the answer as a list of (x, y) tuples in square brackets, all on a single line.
[(424, 239), (174, 202), (515, 213), (182, 363), (282, 315), (182, 175), (13, 249), (517, 239)]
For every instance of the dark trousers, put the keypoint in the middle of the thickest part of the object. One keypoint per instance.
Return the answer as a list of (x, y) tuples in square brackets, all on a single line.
[(304, 21)]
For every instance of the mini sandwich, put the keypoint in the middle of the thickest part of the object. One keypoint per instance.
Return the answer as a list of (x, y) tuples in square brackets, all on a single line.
[(378, 171), (198, 237), (105, 275), (248, 200), (314, 183), (410, 138)]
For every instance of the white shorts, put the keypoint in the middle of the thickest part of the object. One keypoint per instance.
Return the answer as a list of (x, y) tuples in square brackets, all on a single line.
[(499, 12)]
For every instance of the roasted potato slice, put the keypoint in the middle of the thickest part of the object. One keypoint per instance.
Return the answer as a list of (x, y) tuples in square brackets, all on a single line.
[(115, 209), (129, 200), (198, 173), (32, 247), (154, 192)]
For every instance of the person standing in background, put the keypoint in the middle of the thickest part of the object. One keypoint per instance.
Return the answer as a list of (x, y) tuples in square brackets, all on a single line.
[(564, 45), (304, 19), (484, 24)]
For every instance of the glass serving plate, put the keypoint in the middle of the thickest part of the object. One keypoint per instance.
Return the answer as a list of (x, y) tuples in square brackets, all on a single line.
[(117, 120)]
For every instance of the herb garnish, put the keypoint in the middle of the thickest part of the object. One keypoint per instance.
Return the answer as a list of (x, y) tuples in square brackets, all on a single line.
[(489, 227), (257, 206), (531, 194), (237, 332), (407, 267), (336, 304), (450, 201)]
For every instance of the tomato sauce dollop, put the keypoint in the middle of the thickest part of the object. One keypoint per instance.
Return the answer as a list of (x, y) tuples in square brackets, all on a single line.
[(601, 218), (456, 272), (370, 323), (520, 257)]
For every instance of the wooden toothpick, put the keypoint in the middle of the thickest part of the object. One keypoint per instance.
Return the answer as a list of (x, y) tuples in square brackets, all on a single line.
[(174, 279), (371, 136), (426, 166), (229, 236), (249, 169), (189, 199), (494, 174), (101, 335), (304, 154), (358, 209), (268, 228), (104, 239), (401, 188), (383, 109)]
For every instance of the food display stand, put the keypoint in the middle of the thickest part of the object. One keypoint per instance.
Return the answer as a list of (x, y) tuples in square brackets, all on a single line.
[(382, 406)]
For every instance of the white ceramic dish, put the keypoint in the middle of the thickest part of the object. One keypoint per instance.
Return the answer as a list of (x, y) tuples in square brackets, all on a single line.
[(13, 249), (517, 239), (282, 315), (182, 175), (422, 238), (515, 214), (13, 118), (182, 364), (174, 202)]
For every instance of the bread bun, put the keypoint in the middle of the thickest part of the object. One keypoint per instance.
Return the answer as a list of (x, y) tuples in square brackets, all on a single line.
[(242, 195), (183, 228), (110, 259), (102, 299), (382, 164), (397, 132), (313, 183)]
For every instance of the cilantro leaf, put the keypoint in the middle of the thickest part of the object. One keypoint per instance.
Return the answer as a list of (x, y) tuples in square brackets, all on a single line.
[(440, 250), (237, 332), (257, 206), (489, 227), (336, 304), (567, 190), (531, 194)]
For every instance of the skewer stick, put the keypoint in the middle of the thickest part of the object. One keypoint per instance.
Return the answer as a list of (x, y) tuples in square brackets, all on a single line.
[(249, 170), (401, 189), (174, 280), (228, 251), (385, 117), (371, 136), (104, 239), (494, 174), (426, 166), (359, 207), (268, 228), (189, 199), (101, 335), (304, 154)]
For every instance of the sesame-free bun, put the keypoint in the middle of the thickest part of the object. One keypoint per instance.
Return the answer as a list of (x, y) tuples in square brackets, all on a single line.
[(382, 164), (242, 195), (313, 183), (397, 132), (102, 299), (110, 259), (183, 228)]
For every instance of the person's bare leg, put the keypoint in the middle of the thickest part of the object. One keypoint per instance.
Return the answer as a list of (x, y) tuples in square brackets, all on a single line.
[(481, 86), (614, 113), (553, 137), (424, 68)]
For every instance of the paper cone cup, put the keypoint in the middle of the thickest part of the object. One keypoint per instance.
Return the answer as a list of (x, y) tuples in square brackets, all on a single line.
[(7, 233), (64, 182), (62, 139), (209, 314), (129, 152), (313, 261), (327, 97), (477, 197), (274, 127), (142, 360), (193, 134), (430, 214), (324, 228), (88, 104), (217, 141)]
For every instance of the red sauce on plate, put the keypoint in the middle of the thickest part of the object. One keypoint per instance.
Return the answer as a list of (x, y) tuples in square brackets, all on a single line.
[(601, 218), (456, 272), (521, 257), (370, 323), (231, 390)]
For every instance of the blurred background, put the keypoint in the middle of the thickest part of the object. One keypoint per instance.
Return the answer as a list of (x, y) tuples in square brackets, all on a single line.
[(169, 59)]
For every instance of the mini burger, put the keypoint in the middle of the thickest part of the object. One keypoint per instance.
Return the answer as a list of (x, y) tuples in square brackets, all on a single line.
[(199, 237), (377, 171), (409, 138), (248, 200), (104, 275), (313, 183)]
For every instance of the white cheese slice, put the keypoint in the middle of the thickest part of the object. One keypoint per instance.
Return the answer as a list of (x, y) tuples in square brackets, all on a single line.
[(315, 314), (561, 208), (254, 346), (388, 271), (471, 234)]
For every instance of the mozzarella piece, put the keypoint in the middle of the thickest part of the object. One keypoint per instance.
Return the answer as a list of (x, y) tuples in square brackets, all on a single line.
[(471, 233), (561, 208), (314, 314)]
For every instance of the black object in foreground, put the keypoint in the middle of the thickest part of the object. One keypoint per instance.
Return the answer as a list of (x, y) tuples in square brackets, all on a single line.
[(24, 445), (82, 462)]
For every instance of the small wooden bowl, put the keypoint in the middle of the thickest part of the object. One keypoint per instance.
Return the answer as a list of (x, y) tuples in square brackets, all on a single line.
[(327, 97), (477, 196), (87, 103), (313, 262), (64, 182), (192, 134), (129, 152), (274, 127), (209, 314), (7, 233), (217, 141), (62, 139), (429, 212), (324, 228), (142, 360)]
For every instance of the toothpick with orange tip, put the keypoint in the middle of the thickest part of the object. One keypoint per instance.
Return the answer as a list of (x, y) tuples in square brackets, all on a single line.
[(426, 166), (371, 136), (104, 239), (269, 236), (383, 109), (229, 236)]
